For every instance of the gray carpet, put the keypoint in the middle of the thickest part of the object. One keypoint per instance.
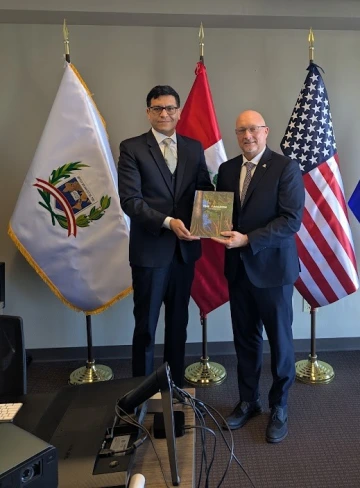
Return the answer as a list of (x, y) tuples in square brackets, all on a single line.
[(323, 446)]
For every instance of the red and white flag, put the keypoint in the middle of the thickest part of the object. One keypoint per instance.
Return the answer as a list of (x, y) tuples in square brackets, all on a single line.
[(198, 120), (324, 241)]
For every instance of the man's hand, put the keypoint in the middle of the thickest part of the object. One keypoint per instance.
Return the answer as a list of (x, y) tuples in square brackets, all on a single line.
[(234, 239), (178, 227)]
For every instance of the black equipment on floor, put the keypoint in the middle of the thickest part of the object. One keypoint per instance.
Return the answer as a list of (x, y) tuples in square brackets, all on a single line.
[(26, 460)]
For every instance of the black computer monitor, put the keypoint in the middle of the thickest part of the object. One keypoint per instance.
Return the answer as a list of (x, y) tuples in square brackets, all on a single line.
[(159, 380)]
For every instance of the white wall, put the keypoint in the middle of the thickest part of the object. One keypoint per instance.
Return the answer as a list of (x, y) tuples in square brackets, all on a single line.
[(259, 69)]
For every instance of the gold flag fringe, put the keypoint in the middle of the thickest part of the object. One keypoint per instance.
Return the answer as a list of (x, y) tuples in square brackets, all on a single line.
[(88, 92), (53, 288)]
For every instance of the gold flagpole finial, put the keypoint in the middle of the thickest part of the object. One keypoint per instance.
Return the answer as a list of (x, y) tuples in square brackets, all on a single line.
[(66, 41), (201, 41), (311, 40)]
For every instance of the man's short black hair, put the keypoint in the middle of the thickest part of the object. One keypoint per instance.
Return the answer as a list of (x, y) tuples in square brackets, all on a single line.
[(161, 90)]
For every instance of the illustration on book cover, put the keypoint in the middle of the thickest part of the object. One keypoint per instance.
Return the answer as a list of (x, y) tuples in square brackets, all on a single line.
[(212, 213)]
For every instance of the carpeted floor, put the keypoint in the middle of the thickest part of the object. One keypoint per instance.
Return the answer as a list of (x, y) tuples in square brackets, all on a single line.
[(323, 446)]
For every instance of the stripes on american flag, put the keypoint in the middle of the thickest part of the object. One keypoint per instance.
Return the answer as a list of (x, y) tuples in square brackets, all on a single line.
[(324, 241)]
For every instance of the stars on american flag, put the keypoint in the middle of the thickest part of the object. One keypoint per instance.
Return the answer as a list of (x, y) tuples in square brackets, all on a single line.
[(328, 269), (309, 137)]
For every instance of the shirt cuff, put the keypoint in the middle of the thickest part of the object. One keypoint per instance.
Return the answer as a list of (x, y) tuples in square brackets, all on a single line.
[(166, 223)]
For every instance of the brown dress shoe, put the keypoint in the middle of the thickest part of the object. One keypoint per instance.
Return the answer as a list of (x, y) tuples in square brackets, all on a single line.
[(242, 413)]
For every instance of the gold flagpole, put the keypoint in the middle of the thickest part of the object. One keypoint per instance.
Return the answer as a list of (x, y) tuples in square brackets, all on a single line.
[(311, 370), (204, 372), (201, 42), (90, 373), (66, 41), (311, 40)]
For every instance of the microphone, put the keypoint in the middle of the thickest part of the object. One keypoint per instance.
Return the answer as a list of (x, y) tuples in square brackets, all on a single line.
[(158, 380)]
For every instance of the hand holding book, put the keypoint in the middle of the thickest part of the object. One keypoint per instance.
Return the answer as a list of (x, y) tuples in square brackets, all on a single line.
[(178, 227), (233, 239)]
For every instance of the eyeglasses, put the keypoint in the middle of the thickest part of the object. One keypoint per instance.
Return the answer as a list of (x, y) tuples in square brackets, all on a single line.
[(157, 109), (254, 129)]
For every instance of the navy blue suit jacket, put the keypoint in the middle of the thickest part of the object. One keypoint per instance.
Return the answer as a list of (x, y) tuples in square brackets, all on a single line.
[(148, 195), (271, 216)]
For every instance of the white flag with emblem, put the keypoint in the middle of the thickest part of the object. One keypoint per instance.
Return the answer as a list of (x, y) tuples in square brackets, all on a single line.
[(68, 222)]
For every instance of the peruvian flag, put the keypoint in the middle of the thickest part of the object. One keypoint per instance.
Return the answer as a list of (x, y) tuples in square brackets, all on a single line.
[(198, 120)]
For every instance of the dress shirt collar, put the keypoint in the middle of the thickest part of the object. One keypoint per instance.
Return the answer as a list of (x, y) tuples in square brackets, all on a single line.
[(255, 160), (160, 137)]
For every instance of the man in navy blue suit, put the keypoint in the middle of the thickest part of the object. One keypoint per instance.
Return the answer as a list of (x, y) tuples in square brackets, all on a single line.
[(261, 266), (159, 172)]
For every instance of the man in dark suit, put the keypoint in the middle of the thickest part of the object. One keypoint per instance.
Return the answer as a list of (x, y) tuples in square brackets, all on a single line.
[(261, 266), (159, 172)]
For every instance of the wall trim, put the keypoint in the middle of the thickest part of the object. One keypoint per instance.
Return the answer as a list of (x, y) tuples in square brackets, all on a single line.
[(192, 349)]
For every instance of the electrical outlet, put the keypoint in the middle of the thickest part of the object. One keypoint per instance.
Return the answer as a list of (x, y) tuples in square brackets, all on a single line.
[(306, 306)]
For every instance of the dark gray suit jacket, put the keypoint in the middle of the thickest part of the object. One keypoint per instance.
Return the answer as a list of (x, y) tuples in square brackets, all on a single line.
[(271, 216), (148, 194)]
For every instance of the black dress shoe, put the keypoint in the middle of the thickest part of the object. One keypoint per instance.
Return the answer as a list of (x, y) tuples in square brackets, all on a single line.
[(242, 413), (277, 428)]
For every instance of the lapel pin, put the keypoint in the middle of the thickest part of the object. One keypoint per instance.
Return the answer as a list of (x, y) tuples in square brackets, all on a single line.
[(264, 165)]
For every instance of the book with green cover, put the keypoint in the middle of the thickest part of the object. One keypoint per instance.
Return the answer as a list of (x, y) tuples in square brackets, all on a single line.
[(212, 213)]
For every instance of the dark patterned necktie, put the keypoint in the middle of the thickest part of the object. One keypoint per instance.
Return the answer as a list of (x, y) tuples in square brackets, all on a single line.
[(249, 167), (169, 156)]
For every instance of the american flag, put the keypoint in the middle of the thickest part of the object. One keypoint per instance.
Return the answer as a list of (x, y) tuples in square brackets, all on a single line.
[(324, 241)]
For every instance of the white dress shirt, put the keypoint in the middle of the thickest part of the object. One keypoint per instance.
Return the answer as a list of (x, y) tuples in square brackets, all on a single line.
[(255, 160)]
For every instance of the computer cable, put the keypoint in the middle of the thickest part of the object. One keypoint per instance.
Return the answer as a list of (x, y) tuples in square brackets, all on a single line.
[(198, 406), (230, 446), (125, 417), (189, 401), (204, 466), (207, 429), (203, 460), (111, 452)]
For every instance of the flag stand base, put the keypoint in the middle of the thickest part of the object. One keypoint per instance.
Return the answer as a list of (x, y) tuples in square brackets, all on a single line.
[(205, 373), (313, 371), (91, 374)]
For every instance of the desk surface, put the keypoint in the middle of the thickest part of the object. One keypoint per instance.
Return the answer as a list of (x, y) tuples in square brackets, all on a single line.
[(42, 413), (147, 463)]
